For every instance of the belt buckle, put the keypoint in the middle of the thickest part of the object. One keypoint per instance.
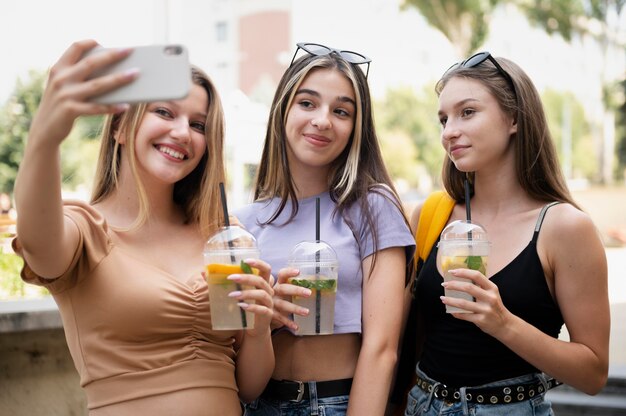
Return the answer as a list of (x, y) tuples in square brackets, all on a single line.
[(300, 391)]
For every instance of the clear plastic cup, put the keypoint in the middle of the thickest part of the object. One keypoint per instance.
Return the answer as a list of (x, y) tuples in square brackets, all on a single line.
[(318, 265), (223, 255), (463, 245)]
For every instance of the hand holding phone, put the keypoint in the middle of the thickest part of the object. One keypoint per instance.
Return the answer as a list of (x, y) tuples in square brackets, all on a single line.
[(164, 74)]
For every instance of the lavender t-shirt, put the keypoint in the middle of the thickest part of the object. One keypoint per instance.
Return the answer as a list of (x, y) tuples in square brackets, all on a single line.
[(277, 239)]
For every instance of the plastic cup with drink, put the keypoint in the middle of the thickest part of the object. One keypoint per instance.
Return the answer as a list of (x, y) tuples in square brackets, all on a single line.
[(463, 245), (224, 254), (318, 265)]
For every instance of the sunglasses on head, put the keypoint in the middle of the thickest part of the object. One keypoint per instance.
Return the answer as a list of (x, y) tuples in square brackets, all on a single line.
[(319, 50), (478, 59)]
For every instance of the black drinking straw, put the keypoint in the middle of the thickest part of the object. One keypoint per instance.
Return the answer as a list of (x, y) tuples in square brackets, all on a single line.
[(244, 321), (468, 211), (318, 293)]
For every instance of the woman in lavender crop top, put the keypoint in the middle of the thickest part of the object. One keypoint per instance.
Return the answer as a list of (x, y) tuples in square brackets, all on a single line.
[(321, 143)]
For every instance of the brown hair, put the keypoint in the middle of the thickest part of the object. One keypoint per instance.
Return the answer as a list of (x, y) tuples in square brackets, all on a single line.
[(358, 170), (536, 161)]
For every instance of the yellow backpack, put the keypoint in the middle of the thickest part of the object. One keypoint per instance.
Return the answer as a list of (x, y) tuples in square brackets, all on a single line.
[(434, 215)]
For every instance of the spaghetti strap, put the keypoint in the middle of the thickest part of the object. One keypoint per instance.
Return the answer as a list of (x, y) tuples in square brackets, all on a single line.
[(542, 214)]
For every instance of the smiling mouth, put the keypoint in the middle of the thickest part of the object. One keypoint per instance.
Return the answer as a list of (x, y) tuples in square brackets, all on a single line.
[(318, 140), (171, 152)]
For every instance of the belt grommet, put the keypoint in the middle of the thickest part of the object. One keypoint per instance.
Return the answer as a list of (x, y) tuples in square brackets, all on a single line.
[(520, 397), (479, 398), (520, 388), (531, 393), (507, 390), (430, 388), (456, 395), (540, 389), (468, 397), (493, 399), (507, 399), (444, 393)]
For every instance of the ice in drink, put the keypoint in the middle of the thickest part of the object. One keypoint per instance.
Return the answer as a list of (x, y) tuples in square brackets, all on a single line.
[(225, 313), (463, 245), (323, 290), (318, 266), (224, 255)]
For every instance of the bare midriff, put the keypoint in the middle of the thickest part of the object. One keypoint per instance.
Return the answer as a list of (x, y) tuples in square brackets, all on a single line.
[(315, 358), (207, 401)]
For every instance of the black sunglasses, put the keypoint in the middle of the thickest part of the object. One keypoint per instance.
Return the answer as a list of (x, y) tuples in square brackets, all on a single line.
[(478, 59), (319, 50)]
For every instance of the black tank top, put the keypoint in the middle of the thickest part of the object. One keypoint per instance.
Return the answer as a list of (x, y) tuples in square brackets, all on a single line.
[(458, 353)]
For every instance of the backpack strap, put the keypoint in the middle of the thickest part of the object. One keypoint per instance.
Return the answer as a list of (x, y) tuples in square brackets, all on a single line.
[(433, 217)]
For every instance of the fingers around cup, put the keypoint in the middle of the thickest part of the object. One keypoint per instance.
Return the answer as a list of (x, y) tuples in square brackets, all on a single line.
[(286, 289), (288, 308)]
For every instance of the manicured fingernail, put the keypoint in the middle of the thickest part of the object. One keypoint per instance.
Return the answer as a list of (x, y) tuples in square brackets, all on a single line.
[(120, 108), (131, 73), (234, 294), (234, 277), (243, 305)]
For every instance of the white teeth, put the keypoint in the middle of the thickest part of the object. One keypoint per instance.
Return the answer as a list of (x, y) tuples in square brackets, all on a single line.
[(171, 152)]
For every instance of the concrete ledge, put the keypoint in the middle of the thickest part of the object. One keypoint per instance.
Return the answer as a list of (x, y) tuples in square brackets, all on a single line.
[(29, 315), (37, 375)]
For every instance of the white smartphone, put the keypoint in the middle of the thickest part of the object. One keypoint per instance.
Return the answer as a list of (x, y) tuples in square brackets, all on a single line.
[(165, 74)]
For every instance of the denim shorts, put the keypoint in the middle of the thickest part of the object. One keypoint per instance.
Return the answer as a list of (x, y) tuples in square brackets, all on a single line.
[(327, 406), (422, 403)]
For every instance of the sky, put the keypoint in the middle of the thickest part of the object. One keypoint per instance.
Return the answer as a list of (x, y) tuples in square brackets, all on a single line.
[(404, 49)]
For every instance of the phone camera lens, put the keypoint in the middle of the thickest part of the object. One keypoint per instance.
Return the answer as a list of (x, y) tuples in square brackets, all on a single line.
[(173, 50)]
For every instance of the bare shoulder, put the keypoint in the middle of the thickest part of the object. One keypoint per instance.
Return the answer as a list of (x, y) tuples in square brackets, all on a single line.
[(415, 216), (569, 240), (564, 222)]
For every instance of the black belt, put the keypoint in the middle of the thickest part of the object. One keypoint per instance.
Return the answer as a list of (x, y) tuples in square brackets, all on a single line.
[(296, 391), (513, 393)]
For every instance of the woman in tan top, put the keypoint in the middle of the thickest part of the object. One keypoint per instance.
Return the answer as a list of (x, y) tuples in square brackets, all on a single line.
[(125, 269)]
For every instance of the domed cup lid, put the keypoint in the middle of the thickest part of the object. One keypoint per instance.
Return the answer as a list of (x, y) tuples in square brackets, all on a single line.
[(463, 230), (318, 252), (231, 238)]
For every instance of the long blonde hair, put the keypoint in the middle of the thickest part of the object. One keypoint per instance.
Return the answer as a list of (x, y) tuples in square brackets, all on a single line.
[(198, 193)]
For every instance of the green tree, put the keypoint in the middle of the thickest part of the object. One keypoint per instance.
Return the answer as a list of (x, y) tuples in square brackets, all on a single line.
[(402, 115), (571, 133), (621, 134), (465, 24), (15, 119), (78, 151)]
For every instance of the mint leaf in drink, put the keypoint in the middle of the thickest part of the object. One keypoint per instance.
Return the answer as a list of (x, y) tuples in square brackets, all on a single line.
[(476, 263), (245, 267), (325, 284), (302, 283)]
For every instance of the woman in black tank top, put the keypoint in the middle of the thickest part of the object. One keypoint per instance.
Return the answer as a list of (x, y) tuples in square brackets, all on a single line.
[(547, 265)]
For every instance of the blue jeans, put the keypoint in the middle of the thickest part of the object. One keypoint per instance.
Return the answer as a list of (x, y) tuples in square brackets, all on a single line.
[(314, 406), (422, 403)]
